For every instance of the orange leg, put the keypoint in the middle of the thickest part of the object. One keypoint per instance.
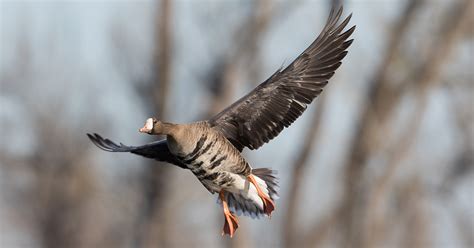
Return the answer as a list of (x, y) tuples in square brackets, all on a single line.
[(230, 224), (268, 205)]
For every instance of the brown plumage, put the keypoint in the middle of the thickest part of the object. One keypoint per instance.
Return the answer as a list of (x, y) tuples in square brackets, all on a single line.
[(262, 114), (211, 149)]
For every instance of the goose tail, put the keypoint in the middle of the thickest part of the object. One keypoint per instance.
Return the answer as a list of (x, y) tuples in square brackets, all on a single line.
[(271, 181), (250, 204)]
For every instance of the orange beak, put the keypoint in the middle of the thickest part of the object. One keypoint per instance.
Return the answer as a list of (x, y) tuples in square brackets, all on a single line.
[(148, 127), (144, 130)]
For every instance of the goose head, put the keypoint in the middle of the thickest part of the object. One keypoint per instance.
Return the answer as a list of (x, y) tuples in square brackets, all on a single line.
[(152, 126)]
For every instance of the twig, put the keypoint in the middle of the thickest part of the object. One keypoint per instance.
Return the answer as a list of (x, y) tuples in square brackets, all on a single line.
[(149, 231), (425, 78), (290, 229), (379, 106)]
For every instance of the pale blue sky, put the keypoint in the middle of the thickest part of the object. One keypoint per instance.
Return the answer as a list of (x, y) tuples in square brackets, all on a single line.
[(75, 62)]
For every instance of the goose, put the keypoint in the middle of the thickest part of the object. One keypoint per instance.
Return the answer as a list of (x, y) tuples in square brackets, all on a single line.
[(211, 149)]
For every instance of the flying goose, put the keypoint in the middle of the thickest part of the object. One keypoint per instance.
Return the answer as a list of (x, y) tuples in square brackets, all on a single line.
[(211, 149)]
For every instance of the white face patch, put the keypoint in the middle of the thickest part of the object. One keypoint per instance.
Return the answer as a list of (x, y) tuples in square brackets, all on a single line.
[(149, 124)]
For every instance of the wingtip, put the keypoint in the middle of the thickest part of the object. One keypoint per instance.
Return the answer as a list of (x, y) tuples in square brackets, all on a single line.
[(339, 12), (337, 7), (98, 141), (348, 18), (346, 34), (92, 138)]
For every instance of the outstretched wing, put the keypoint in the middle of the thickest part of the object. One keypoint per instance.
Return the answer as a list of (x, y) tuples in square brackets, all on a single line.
[(157, 150), (275, 104)]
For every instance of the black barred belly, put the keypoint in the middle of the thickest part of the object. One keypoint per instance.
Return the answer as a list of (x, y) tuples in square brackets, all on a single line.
[(205, 161)]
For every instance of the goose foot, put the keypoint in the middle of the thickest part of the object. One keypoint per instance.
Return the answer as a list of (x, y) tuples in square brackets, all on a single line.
[(268, 205), (231, 224)]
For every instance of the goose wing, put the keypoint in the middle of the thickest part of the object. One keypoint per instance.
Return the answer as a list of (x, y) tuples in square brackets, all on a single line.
[(157, 150), (275, 104)]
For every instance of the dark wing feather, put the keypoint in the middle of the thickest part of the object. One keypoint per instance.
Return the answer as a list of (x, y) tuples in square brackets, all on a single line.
[(157, 150), (275, 104)]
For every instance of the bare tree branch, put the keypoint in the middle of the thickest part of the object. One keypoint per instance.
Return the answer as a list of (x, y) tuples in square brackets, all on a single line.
[(463, 164), (225, 74), (151, 229), (163, 58), (320, 231), (425, 78), (378, 107), (290, 230), (415, 224)]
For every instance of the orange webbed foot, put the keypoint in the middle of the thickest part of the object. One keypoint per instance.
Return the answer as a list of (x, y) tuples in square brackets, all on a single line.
[(268, 204), (231, 224)]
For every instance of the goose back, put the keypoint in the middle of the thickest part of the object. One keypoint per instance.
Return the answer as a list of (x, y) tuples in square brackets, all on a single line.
[(208, 154)]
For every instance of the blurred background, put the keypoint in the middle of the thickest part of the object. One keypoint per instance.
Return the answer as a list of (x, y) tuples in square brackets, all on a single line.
[(384, 158)]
